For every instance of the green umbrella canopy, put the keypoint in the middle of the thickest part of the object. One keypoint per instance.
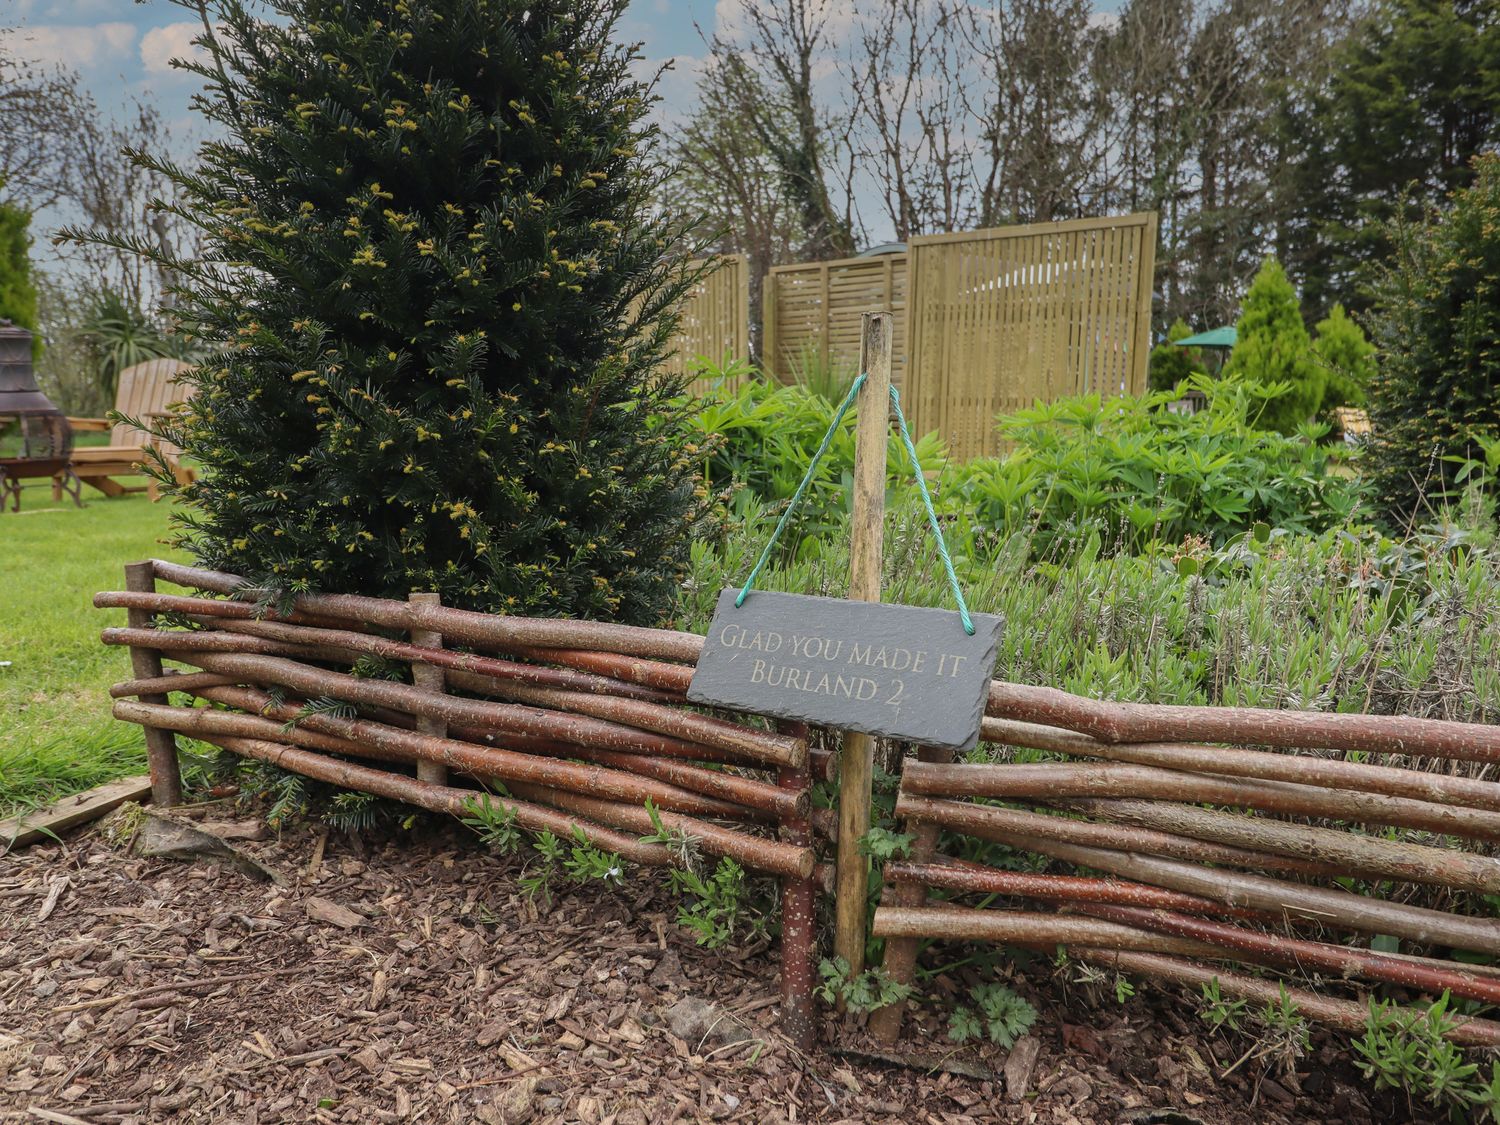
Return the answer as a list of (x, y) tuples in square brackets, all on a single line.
[(1214, 338)]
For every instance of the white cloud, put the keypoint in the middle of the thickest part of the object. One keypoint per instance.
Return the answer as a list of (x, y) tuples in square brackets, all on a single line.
[(160, 45), (80, 46)]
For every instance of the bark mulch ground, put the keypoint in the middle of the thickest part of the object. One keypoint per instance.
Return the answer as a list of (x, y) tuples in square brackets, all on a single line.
[(407, 977)]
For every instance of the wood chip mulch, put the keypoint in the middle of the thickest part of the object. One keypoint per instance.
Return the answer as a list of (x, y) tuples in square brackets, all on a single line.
[(406, 977)]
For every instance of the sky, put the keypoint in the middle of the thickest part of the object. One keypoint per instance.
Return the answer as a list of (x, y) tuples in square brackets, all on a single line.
[(122, 49)]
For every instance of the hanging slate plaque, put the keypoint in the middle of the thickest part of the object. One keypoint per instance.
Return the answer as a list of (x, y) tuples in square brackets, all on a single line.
[(897, 671)]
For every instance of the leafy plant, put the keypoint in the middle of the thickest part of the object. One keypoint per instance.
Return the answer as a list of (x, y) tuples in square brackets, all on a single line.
[(1410, 1051), (881, 843), (682, 845), (351, 811), (1003, 1015), (1135, 473), (760, 438), (495, 824), (720, 906), (118, 335), (862, 992), (1220, 1013)]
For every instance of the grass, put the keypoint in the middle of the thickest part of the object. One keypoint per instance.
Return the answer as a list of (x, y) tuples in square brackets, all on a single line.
[(56, 733)]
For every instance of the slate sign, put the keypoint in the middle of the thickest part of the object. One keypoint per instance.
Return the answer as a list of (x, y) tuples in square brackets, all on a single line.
[(898, 671)]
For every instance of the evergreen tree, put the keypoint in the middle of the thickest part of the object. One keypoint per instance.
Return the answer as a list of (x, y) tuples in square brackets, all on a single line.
[(1437, 330), (437, 296), (1347, 360), (1410, 97), (1168, 364), (1272, 347), (17, 290)]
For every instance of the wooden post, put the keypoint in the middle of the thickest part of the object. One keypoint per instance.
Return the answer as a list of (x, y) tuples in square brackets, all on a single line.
[(799, 916), (866, 541), (145, 663), (429, 678), (901, 953)]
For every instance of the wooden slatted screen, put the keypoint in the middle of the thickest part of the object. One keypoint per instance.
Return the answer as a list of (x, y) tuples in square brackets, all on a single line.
[(812, 314), (715, 322), (1002, 318)]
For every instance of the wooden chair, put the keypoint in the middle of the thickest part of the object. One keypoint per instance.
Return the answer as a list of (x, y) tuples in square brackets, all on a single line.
[(147, 391)]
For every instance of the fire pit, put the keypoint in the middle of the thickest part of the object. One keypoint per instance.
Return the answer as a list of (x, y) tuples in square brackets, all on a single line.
[(35, 438)]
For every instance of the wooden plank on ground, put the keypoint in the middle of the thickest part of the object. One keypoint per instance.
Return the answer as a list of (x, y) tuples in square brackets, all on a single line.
[(78, 809)]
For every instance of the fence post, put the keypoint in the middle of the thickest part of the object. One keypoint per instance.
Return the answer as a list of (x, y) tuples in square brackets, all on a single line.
[(768, 296), (145, 664), (429, 678), (866, 528), (901, 953), (799, 917)]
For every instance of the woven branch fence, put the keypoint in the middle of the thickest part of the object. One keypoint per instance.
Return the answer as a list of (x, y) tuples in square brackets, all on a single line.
[(582, 723), (1205, 860)]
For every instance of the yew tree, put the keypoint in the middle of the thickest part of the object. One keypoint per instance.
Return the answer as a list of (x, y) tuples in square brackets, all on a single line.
[(436, 295)]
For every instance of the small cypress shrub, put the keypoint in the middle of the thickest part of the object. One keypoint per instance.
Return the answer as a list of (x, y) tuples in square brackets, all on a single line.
[(436, 294), (1272, 347), (1436, 326), (1168, 364), (17, 290), (1347, 360)]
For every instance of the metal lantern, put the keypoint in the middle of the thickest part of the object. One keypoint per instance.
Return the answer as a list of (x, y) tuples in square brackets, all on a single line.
[(35, 438)]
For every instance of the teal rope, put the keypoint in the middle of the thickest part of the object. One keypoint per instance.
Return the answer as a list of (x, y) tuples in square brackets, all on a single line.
[(916, 465), (807, 477), (937, 531)]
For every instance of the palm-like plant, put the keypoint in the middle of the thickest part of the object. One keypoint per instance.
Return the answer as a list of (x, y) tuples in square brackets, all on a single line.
[(120, 335)]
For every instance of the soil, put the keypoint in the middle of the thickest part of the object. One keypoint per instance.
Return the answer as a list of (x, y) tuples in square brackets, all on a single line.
[(406, 977)]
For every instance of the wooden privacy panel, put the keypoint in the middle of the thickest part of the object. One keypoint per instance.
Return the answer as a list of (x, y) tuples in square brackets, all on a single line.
[(812, 314), (1001, 318), (715, 322)]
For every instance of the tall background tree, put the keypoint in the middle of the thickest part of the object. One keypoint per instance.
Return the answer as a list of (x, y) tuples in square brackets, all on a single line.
[(436, 295), (1436, 323), (1253, 127)]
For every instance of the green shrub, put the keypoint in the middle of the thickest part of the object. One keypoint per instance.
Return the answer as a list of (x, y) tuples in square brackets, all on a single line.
[(1169, 364), (1347, 360), (118, 335), (1272, 349), (437, 292), (17, 290), (1135, 472), (761, 437), (1436, 324), (1410, 1051)]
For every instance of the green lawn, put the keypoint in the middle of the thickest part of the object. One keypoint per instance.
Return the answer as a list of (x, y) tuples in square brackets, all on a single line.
[(56, 734)]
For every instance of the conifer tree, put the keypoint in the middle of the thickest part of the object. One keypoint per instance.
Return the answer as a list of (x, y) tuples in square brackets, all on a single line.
[(1436, 327), (17, 290), (1273, 347), (436, 295), (1347, 358)]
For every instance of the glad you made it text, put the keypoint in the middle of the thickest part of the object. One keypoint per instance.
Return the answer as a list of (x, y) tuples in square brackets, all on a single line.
[(833, 666)]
